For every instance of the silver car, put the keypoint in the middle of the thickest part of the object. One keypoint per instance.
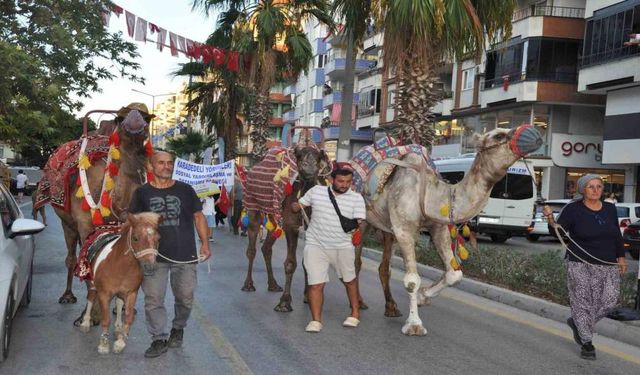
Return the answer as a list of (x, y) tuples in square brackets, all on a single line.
[(16, 263)]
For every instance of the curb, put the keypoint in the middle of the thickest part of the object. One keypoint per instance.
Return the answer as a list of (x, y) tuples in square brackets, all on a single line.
[(613, 329)]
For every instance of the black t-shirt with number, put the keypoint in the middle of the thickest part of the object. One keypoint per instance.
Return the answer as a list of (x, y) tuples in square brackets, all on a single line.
[(176, 205)]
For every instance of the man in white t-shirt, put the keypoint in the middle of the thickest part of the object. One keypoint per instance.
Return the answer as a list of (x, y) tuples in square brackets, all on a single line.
[(328, 245), (21, 184)]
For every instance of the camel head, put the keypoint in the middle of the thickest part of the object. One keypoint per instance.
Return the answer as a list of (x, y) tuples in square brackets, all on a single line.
[(311, 162), (133, 129), (505, 146)]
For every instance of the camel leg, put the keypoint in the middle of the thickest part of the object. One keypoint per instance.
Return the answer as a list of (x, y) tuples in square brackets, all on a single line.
[(406, 240), (364, 229), (129, 316), (290, 265), (267, 253), (384, 271), (252, 232), (442, 240), (105, 321), (71, 238)]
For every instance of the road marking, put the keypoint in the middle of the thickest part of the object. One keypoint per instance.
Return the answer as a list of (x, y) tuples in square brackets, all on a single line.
[(450, 294), (220, 344)]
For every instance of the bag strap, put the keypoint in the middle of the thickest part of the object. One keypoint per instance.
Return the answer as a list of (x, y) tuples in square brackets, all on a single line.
[(333, 201)]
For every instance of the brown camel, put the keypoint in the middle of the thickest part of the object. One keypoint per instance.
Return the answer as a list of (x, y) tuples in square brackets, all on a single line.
[(313, 166), (415, 198), (77, 223)]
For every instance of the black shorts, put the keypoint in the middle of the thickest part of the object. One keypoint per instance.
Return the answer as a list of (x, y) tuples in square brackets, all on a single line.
[(21, 190)]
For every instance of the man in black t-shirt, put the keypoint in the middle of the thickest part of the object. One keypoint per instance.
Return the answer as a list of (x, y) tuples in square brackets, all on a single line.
[(180, 209)]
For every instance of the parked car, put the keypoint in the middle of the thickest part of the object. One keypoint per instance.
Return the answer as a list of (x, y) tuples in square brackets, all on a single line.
[(631, 239), (539, 226), (627, 213), (16, 263)]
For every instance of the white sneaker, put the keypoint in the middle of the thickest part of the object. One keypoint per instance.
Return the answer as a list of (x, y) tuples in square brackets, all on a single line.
[(314, 326)]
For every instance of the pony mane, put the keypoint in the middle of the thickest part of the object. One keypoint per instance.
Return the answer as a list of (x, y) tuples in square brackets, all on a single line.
[(148, 218)]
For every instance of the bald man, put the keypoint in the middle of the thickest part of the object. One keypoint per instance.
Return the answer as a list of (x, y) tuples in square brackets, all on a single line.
[(180, 209)]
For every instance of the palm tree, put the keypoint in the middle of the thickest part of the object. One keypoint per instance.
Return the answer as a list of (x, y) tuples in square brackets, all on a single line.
[(418, 35), (269, 35), (191, 144)]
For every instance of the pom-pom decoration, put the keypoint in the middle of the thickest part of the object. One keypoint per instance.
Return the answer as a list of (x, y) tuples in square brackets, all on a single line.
[(114, 139), (244, 221), (454, 264), (150, 177), (105, 200), (96, 217), (269, 226), (113, 169), (276, 233), (288, 188), (80, 192), (444, 210), (463, 253), (453, 231), (78, 181), (108, 183), (114, 153), (85, 205), (84, 162), (148, 149), (466, 231), (105, 212)]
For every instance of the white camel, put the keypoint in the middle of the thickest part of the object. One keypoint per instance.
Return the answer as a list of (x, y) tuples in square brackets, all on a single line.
[(415, 198)]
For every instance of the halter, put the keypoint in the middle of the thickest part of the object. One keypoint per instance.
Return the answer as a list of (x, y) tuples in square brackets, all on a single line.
[(140, 253)]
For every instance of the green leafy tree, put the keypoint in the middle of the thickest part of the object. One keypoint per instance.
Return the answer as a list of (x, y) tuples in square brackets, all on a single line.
[(418, 35), (192, 144)]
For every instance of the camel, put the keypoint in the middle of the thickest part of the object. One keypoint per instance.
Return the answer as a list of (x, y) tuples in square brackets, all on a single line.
[(77, 223), (415, 197), (313, 165)]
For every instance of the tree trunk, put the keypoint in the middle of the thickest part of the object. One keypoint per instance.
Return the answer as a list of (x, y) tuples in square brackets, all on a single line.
[(417, 92), (344, 145), (259, 118)]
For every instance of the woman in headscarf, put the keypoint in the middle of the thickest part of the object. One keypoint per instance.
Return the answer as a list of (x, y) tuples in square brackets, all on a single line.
[(594, 260)]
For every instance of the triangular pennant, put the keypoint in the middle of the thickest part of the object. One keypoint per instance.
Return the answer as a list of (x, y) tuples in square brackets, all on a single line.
[(181, 45), (190, 48), (117, 10), (173, 44), (162, 36), (106, 16), (153, 28), (131, 22), (141, 30)]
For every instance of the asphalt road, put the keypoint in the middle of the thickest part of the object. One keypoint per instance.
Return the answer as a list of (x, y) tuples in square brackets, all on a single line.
[(236, 332)]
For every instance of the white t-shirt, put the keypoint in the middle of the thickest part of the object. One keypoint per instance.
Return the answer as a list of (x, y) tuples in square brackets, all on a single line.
[(208, 206), (21, 180), (325, 229)]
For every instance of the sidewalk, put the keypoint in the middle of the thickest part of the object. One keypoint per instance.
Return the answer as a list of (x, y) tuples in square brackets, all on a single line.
[(626, 332)]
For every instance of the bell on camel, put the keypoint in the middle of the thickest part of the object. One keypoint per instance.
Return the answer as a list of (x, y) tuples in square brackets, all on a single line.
[(466, 231), (463, 253)]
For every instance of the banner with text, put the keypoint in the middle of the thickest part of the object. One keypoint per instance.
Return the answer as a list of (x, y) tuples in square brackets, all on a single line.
[(205, 179)]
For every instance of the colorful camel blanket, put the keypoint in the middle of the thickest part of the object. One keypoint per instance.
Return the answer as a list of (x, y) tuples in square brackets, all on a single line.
[(62, 166), (264, 187), (97, 240), (370, 175)]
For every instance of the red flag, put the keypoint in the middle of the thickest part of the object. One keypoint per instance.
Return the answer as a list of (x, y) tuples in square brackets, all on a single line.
[(131, 22), (117, 10), (233, 61), (173, 44), (207, 54), (154, 28), (218, 56), (223, 202)]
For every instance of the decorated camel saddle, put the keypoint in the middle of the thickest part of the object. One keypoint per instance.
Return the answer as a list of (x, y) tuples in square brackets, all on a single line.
[(371, 172)]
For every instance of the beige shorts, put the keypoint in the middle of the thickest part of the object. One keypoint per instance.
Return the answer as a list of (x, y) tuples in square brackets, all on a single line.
[(317, 260)]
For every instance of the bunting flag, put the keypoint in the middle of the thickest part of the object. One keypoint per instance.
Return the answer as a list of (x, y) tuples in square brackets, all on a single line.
[(162, 36), (181, 44), (173, 44), (131, 22), (141, 30), (106, 16), (218, 56), (233, 61), (154, 28), (117, 10)]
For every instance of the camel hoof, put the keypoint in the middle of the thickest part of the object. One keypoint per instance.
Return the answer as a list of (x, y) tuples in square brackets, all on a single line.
[(248, 288), (363, 305), (283, 307), (414, 330), (274, 288), (103, 349), (423, 301), (392, 311), (84, 328), (67, 297), (118, 346)]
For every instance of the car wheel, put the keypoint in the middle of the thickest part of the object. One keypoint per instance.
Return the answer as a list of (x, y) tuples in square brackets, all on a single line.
[(6, 328), (635, 253), (533, 237), (26, 296), (499, 237)]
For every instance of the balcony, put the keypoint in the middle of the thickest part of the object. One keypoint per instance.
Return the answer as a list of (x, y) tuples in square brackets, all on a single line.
[(320, 46), (316, 106), (335, 68), (318, 77), (291, 89), (336, 97), (547, 11), (289, 117), (373, 43), (514, 77), (609, 55)]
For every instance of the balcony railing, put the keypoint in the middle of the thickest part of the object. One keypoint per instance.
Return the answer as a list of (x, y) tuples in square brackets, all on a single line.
[(547, 11), (516, 77), (609, 55)]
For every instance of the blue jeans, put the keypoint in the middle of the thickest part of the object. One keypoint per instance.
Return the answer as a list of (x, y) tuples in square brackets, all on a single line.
[(183, 284)]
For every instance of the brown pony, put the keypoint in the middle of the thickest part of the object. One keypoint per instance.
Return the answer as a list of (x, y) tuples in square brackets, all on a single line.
[(117, 271)]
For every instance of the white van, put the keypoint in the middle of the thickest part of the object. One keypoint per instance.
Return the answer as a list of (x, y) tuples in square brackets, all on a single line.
[(511, 204)]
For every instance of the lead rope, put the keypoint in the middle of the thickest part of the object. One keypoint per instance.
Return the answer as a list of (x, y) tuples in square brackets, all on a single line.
[(557, 227)]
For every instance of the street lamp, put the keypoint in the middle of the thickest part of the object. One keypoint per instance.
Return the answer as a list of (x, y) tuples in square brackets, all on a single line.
[(153, 107)]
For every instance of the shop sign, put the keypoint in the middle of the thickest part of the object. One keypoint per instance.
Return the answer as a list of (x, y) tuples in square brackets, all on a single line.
[(577, 151)]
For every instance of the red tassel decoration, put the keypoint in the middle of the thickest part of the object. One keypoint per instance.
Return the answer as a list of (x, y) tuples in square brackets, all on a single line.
[(85, 205), (460, 240), (97, 218), (114, 139), (105, 200), (113, 169), (150, 177), (78, 180), (288, 188), (148, 149)]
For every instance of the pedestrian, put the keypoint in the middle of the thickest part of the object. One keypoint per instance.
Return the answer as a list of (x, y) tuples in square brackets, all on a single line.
[(209, 211), (594, 259), (180, 209), (21, 184), (41, 210), (328, 244), (611, 198), (219, 215), (236, 198)]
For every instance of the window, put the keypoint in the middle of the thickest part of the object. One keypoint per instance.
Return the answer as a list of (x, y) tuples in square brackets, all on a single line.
[(503, 62), (607, 32), (467, 78), (513, 186), (391, 98), (322, 61), (369, 103)]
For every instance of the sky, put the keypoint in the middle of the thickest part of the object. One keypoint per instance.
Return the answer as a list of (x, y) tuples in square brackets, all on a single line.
[(155, 66)]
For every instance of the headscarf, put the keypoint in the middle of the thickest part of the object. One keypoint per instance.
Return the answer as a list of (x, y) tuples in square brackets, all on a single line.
[(584, 180)]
